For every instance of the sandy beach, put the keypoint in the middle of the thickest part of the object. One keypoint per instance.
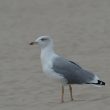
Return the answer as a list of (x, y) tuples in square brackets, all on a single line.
[(81, 32)]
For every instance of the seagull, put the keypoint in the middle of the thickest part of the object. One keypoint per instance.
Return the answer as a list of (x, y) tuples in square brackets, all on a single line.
[(63, 70)]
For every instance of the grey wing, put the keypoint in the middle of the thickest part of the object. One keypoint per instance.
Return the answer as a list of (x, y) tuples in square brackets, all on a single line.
[(71, 71), (75, 64)]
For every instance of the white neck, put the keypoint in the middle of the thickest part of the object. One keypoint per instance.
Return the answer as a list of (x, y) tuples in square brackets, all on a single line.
[(47, 50), (47, 53)]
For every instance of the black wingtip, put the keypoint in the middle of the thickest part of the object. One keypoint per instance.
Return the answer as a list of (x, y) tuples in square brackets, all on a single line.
[(101, 82), (98, 83)]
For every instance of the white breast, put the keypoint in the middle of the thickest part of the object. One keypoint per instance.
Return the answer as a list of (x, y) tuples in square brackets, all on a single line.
[(47, 64)]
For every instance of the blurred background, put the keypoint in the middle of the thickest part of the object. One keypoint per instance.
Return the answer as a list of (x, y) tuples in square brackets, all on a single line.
[(81, 32)]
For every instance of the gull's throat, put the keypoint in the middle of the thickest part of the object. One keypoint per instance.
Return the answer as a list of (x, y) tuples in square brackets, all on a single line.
[(47, 54)]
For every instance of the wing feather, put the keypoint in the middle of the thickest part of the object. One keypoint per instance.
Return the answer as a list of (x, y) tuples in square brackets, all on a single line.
[(71, 71)]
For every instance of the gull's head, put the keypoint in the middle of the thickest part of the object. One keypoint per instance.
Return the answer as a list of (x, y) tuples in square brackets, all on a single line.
[(43, 41)]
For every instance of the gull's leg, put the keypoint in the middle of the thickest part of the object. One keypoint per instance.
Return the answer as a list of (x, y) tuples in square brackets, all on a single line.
[(62, 94), (71, 96)]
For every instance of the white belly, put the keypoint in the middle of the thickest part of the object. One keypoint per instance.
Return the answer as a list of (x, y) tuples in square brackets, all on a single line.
[(48, 71), (57, 77)]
